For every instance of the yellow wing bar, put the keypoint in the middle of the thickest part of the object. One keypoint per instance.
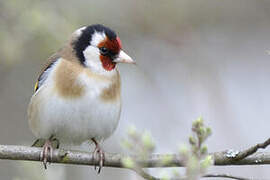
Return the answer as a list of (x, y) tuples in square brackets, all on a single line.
[(36, 86)]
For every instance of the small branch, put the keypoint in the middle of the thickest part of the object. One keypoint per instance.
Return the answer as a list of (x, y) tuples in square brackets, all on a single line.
[(251, 150), (226, 176)]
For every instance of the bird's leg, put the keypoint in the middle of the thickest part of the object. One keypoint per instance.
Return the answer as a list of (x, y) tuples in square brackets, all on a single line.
[(100, 153), (47, 153), (55, 142), (40, 142)]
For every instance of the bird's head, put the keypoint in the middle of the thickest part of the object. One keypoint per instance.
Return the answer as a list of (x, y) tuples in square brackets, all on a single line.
[(99, 48)]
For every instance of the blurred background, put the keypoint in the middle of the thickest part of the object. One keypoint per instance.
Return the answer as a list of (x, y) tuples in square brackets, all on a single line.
[(195, 58)]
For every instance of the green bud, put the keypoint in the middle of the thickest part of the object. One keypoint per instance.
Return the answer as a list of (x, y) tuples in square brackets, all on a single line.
[(201, 139), (183, 150), (202, 131), (196, 125), (128, 162), (203, 150), (126, 144), (206, 162), (198, 122), (166, 159), (132, 131), (193, 164), (147, 141), (192, 140), (208, 131)]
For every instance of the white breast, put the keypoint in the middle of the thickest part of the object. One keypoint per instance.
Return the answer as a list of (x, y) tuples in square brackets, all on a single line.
[(73, 120)]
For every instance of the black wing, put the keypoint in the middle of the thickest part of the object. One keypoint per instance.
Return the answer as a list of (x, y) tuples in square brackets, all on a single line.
[(46, 70)]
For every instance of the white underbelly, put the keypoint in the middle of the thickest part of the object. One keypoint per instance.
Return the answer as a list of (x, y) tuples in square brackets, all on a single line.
[(72, 120)]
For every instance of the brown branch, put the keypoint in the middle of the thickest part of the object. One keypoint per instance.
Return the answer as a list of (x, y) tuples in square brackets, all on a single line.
[(247, 157), (251, 150), (114, 160)]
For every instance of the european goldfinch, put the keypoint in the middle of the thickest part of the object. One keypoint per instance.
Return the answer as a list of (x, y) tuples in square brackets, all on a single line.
[(77, 96)]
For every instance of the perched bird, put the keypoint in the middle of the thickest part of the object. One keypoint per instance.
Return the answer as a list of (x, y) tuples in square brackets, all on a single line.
[(77, 96)]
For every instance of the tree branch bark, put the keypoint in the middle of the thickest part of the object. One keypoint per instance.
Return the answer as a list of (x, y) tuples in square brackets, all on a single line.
[(252, 150), (114, 160)]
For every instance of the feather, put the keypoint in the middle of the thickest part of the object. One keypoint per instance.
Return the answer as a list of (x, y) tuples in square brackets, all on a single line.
[(46, 70)]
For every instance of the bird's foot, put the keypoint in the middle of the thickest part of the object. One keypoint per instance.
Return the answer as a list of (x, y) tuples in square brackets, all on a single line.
[(40, 142), (46, 153), (98, 154)]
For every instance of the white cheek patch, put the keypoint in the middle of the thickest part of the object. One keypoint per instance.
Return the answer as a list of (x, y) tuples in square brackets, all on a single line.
[(97, 37), (91, 55)]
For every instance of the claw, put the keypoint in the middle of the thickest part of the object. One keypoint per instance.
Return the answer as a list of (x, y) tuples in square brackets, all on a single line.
[(46, 153), (98, 154)]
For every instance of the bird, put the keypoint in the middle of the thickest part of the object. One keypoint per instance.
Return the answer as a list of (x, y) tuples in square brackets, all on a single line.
[(77, 96)]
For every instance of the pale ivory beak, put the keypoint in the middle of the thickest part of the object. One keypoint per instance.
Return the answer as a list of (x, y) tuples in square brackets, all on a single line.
[(124, 58)]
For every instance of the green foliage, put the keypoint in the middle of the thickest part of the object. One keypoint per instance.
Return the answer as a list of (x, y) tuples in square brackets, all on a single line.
[(139, 144), (196, 159), (195, 156), (128, 162)]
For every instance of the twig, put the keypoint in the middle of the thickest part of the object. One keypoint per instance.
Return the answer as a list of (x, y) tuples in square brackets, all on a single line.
[(226, 176), (251, 150)]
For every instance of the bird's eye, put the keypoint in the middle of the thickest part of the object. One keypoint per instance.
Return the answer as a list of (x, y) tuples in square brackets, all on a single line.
[(104, 51)]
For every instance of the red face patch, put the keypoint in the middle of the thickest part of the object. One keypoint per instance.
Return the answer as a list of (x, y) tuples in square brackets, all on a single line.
[(119, 42), (114, 46)]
